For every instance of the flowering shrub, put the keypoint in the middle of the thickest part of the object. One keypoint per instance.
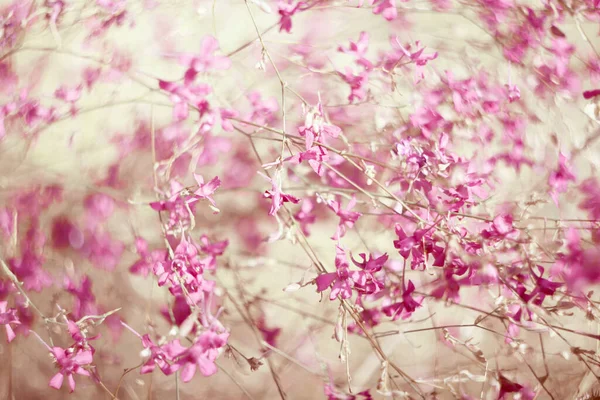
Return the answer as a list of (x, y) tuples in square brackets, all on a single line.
[(303, 199)]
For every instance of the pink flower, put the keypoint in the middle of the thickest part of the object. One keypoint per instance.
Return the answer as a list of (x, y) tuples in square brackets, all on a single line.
[(405, 308), (555, 76), (315, 125), (441, 5), (305, 216), (226, 115), (579, 265), (201, 355), (357, 84), (183, 95), (465, 94), (33, 113), (102, 250), (371, 264), (148, 259), (69, 95), (69, 362), (562, 48), (333, 393), (29, 270), (85, 301), (403, 54), (501, 228), (448, 287), (276, 195), (428, 121), (239, 169), (513, 92), (544, 287), (559, 178), (347, 218), (269, 334), (359, 50), (365, 280), (286, 10), (8, 80), (206, 190), (185, 265), (8, 316), (178, 312), (213, 146), (112, 6), (263, 111), (387, 8), (341, 280), (179, 203), (81, 341), (99, 208), (417, 245), (90, 76), (213, 250), (205, 60), (315, 157), (593, 66), (157, 355), (590, 188)]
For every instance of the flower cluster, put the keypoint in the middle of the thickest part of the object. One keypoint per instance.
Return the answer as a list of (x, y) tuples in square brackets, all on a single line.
[(418, 181)]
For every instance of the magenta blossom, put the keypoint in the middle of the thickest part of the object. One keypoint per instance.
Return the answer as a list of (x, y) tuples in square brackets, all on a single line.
[(315, 125), (305, 216), (387, 8), (147, 258), (544, 287), (212, 250), (404, 308), (341, 279), (358, 83), (185, 95), (501, 228), (591, 203), (263, 111), (201, 355), (157, 356), (347, 218), (579, 264), (560, 178), (269, 334), (85, 301), (276, 195), (418, 244), (286, 10), (8, 316), (365, 280), (69, 362), (359, 50), (315, 157), (206, 190), (205, 60)]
